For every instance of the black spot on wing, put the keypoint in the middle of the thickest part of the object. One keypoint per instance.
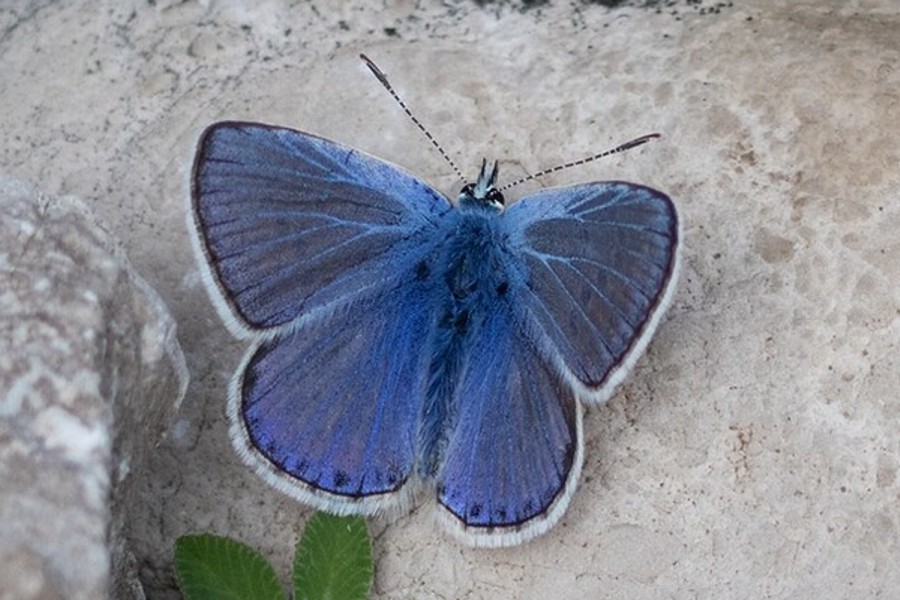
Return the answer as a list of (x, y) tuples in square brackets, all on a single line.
[(462, 322), (422, 271)]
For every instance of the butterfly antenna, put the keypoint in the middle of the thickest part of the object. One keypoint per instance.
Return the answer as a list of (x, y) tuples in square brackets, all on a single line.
[(620, 148), (387, 85)]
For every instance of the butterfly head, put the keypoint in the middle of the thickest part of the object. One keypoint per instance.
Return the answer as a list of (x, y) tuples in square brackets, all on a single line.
[(483, 193)]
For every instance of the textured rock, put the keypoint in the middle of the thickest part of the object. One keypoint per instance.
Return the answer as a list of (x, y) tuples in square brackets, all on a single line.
[(90, 373)]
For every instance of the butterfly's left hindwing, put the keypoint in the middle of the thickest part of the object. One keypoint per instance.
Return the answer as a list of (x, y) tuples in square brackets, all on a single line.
[(329, 413)]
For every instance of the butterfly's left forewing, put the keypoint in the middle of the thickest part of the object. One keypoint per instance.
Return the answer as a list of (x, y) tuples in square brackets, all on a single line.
[(292, 226), (329, 413)]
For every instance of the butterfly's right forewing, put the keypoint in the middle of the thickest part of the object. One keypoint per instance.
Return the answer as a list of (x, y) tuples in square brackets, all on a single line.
[(599, 263)]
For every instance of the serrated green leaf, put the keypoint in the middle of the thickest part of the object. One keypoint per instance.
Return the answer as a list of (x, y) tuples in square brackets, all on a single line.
[(333, 560), (210, 567)]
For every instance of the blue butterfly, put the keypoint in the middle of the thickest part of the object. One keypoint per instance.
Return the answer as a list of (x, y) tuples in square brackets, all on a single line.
[(400, 341)]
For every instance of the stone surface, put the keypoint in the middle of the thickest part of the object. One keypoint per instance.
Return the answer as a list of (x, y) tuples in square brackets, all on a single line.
[(91, 373), (754, 451)]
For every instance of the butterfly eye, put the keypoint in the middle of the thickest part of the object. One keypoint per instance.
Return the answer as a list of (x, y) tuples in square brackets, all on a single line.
[(468, 191), (491, 197)]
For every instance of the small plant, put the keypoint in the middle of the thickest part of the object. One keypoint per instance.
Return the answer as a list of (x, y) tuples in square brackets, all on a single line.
[(333, 561)]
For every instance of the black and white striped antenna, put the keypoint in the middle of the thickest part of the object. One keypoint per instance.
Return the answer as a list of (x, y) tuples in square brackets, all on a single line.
[(575, 163), (387, 85)]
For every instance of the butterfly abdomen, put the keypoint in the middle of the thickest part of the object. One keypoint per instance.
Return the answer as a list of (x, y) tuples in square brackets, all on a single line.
[(470, 281)]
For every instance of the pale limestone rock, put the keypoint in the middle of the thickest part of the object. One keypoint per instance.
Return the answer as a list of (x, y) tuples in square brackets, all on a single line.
[(90, 372)]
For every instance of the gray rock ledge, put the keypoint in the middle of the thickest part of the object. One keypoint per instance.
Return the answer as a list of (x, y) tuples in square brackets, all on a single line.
[(90, 373)]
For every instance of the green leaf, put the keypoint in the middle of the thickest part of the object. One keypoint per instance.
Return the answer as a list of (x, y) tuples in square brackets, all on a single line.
[(217, 568), (333, 560)]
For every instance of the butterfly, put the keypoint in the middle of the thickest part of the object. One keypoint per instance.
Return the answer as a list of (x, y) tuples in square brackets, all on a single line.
[(401, 342)]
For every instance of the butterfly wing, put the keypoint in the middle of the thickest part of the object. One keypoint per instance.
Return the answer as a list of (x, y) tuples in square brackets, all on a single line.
[(513, 459), (324, 256), (329, 413), (599, 262), (294, 226)]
